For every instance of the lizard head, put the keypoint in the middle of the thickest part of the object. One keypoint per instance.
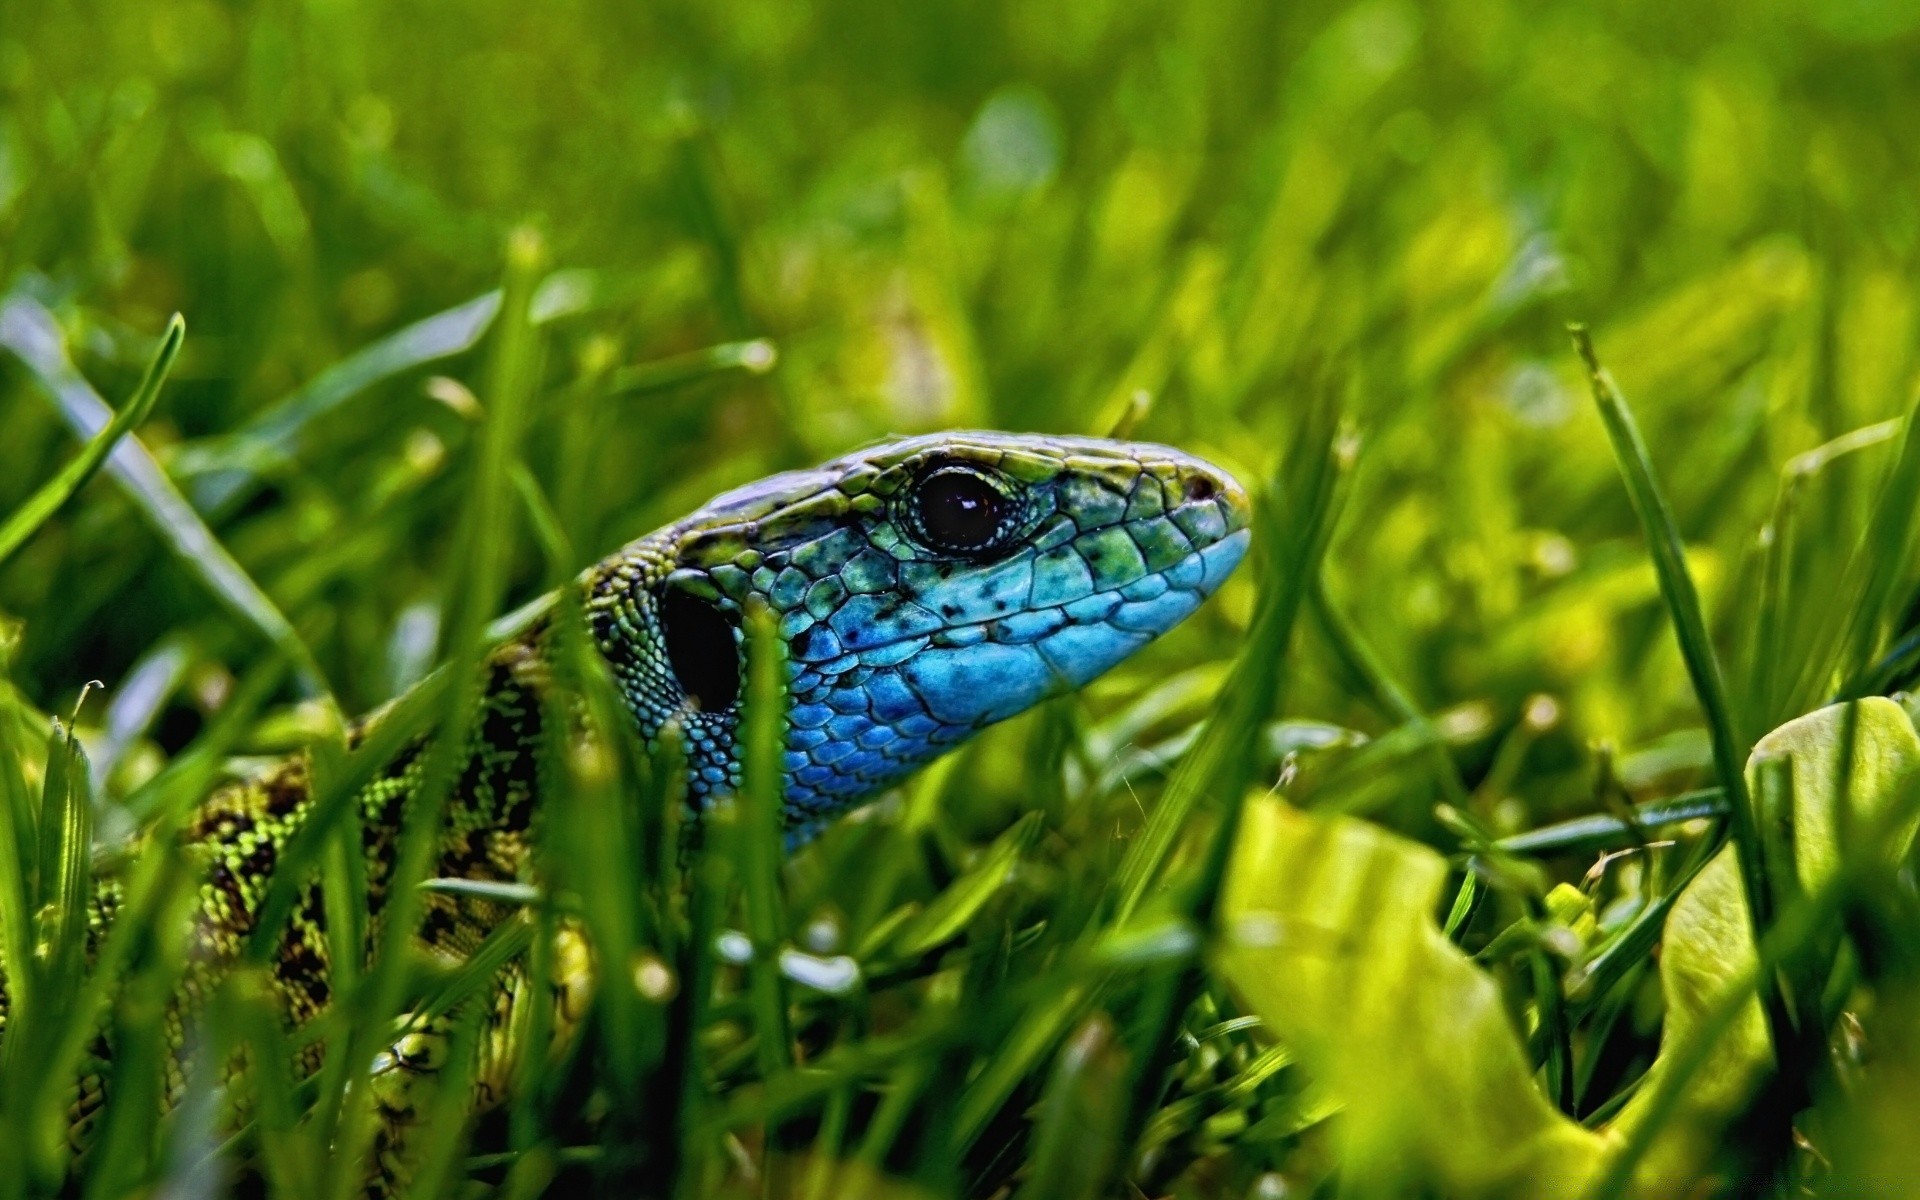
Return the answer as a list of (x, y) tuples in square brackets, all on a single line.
[(923, 588)]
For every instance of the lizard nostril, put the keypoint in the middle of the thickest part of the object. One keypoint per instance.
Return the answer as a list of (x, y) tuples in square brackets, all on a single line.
[(1200, 487)]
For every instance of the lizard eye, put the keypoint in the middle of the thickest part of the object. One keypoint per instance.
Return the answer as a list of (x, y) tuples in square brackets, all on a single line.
[(959, 510), (703, 648)]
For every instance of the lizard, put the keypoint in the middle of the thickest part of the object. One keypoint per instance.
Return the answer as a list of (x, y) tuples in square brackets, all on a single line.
[(923, 589)]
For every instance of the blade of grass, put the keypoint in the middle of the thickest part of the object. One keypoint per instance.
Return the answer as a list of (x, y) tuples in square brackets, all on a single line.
[(852, 1063), (594, 853), (1077, 1141), (224, 472), (755, 357), (184, 781), (247, 1007), (60, 882), (34, 1094), (1770, 616), (962, 900), (1778, 660), (18, 856), (65, 874), (703, 205), (1555, 1034), (1605, 1017), (485, 544), (613, 847), (533, 1023), (1045, 1022), (139, 698), (1885, 550), (1854, 609), (506, 942), (1465, 902), (1603, 832), (51, 495), (1696, 649), (1587, 986), (124, 1154), (760, 841), (1291, 539), (1294, 534), (1395, 701), (332, 803), (688, 1015), (31, 333)]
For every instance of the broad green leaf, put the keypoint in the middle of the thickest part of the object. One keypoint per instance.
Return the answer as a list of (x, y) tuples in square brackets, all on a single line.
[(1333, 944), (1707, 948), (1332, 941)]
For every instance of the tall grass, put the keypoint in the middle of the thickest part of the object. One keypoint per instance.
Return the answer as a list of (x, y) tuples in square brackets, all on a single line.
[(478, 292)]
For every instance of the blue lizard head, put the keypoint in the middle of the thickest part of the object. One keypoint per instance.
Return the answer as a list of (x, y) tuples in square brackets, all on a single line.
[(925, 589)]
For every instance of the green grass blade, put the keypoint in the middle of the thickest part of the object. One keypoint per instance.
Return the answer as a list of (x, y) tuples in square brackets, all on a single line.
[(755, 357), (1045, 1021), (1696, 648), (128, 1149), (685, 1069), (56, 491), (508, 941), (597, 849), (1769, 652), (762, 799), (222, 474), (1395, 701), (37, 1085), (30, 332), (1077, 1141), (1602, 832), (18, 857), (485, 544), (1780, 661), (1291, 535), (1881, 561), (64, 873), (248, 1008), (331, 806)]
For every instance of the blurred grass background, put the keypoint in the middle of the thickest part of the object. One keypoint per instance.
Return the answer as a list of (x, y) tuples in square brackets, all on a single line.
[(954, 217), (778, 231), (1013, 217)]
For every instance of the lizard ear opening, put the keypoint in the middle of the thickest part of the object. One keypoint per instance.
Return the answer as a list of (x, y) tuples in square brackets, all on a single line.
[(703, 648)]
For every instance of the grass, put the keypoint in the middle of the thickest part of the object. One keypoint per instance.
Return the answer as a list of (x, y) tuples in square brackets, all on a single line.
[(475, 293)]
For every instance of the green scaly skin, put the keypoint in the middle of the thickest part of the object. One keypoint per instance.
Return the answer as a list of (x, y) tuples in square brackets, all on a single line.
[(924, 589)]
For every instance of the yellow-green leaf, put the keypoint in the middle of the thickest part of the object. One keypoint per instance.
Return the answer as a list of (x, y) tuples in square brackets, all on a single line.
[(1331, 940), (1707, 947)]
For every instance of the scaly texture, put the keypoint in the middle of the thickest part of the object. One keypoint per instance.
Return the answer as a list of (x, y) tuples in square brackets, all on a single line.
[(925, 588), (902, 643)]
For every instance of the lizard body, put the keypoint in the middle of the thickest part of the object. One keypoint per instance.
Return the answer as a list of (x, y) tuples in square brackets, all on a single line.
[(923, 589)]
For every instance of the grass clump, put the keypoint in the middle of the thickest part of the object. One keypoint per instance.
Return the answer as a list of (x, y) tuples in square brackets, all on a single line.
[(477, 294)]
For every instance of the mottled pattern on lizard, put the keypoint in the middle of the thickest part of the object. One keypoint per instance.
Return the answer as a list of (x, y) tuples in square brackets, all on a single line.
[(906, 632), (924, 589)]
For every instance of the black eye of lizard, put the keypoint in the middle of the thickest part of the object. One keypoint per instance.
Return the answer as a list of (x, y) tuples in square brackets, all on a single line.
[(703, 648), (957, 510)]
